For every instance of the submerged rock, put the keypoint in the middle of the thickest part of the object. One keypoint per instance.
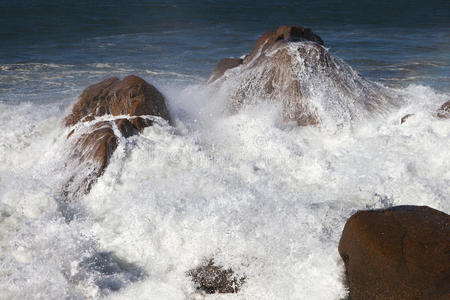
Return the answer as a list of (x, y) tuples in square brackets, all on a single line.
[(444, 111), (283, 33), (401, 252), (94, 144), (106, 271), (211, 278), (405, 117), (223, 65), (290, 66)]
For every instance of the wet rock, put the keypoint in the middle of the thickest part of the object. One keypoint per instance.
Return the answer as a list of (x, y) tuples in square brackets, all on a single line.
[(283, 33), (444, 111), (125, 127), (405, 117), (93, 147), (91, 153), (131, 96), (211, 278), (223, 65), (290, 66), (401, 252)]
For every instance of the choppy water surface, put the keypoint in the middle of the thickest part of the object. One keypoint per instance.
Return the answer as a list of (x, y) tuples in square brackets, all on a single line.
[(266, 198)]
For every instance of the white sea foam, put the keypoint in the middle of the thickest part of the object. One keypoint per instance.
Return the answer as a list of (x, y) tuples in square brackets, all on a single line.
[(265, 198)]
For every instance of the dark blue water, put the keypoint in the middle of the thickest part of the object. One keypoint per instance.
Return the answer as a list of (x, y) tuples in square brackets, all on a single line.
[(50, 49)]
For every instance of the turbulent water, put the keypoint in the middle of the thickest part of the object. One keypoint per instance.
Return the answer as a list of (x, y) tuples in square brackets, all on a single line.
[(267, 198)]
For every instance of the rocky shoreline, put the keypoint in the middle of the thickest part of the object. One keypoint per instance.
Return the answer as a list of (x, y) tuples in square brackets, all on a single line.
[(401, 252)]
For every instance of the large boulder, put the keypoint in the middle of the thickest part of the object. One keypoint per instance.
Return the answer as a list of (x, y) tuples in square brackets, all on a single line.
[(401, 252), (92, 143), (131, 96), (290, 66)]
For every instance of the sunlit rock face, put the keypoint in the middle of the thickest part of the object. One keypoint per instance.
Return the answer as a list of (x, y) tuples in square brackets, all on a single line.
[(397, 253), (291, 66)]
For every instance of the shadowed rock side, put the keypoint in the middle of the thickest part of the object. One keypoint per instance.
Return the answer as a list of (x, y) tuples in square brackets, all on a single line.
[(398, 253), (223, 65), (211, 278), (283, 33), (290, 66), (93, 144), (444, 111), (405, 117), (107, 271)]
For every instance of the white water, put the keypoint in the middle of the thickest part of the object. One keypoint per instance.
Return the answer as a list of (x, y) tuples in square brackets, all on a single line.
[(265, 198)]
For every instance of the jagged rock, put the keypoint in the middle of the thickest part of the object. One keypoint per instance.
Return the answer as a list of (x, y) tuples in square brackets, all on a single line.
[(405, 117), (93, 147), (290, 66), (212, 278), (444, 111), (401, 252)]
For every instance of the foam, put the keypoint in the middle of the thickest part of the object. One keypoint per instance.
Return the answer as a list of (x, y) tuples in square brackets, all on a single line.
[(265, 198)]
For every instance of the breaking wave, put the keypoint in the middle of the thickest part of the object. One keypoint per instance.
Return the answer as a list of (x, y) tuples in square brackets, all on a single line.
[(264, 197)]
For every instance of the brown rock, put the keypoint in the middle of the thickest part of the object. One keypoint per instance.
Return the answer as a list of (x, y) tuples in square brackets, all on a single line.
[(444, 111), (403, 119), (397, 253), (141, 123), (212, 278), (92, 149), (98, 145), (125, 127), (283, 33), (223, 65), (290, 66), (131, 96)]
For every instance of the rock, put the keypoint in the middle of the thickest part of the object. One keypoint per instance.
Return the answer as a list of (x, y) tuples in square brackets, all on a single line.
[(291, 67), (223, 65), (92, 151), (283, 33), (131, 96), (401, 252), (126, 127), (403, 119), (444, 111), (94, 145), (212, 278)]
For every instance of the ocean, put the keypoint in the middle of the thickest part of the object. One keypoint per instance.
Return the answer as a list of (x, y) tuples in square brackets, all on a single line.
[(262, 197)]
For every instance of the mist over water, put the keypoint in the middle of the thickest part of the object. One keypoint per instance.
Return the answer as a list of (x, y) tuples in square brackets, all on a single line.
[(266, 198)]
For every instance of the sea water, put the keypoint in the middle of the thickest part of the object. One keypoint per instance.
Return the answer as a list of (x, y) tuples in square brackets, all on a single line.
[(265, 198)]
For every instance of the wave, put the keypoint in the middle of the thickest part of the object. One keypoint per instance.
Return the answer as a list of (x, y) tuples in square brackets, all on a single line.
[(264, 197)]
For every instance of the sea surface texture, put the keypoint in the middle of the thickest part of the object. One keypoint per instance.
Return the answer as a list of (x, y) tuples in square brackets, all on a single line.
[(266, 198)]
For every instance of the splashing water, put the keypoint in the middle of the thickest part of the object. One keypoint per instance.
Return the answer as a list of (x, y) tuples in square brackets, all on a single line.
[(266, 198)]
